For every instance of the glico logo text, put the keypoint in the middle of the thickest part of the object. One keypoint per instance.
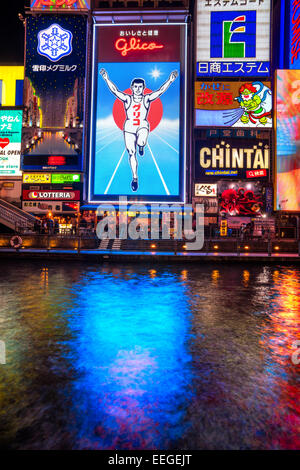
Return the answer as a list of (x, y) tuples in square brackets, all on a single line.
[(124, 46), (233, 34)]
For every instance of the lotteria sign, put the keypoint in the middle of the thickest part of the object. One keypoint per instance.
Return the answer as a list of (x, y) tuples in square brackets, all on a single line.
[(232, 158), (233, 38), (51, 195), (138, 135)]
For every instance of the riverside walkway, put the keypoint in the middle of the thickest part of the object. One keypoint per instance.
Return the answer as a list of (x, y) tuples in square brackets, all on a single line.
[(146, 256)]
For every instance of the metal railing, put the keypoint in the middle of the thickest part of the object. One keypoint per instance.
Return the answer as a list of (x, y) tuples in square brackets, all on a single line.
[(15, 218)]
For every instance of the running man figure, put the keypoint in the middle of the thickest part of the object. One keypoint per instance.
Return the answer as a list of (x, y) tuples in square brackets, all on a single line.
[(136, 127)]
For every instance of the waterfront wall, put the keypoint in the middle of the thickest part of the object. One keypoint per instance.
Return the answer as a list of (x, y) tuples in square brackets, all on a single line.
[(215, 245)]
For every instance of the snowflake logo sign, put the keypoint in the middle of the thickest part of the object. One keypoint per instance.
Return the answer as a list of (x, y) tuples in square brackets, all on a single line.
[(54, 42)]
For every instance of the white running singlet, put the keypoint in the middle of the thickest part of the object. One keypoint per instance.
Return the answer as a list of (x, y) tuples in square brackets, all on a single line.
[(136, 117)]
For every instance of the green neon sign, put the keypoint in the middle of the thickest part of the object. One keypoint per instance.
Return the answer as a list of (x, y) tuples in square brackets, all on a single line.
[(62, 178)]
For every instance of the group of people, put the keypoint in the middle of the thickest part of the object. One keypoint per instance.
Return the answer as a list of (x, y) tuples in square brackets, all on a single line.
[(246, 230), (46, 225), (51, 225)]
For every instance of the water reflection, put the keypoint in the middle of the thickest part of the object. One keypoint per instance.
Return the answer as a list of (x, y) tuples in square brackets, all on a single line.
[(130, 357)]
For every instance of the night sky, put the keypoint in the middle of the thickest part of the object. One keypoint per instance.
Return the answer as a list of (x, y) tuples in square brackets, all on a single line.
[(12, 33)]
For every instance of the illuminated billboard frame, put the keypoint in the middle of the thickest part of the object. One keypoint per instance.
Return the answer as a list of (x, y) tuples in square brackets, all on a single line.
[(54, 92), (287, 138), (120, 72), (231, 158), (233, 38)]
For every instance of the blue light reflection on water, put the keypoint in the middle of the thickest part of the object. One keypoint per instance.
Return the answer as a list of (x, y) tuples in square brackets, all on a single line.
[(130, 356), (134, 362)]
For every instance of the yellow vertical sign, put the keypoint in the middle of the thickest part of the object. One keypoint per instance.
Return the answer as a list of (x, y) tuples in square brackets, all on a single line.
[(9, 75), (223, 228)]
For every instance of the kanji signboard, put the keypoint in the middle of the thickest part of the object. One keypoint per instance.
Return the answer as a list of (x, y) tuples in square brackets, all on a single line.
[(233, 104), (10, 142), (54, 92)]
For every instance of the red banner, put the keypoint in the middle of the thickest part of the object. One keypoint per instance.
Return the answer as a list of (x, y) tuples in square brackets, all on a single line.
[(256, 173), (60, 195)]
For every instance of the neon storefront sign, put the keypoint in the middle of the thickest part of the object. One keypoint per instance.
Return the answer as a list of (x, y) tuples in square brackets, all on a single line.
[(134, 44), (50, 4)]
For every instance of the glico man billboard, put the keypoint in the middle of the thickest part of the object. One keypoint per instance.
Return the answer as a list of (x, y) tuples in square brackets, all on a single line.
[(54, 91), (138, 127), (233, 38)]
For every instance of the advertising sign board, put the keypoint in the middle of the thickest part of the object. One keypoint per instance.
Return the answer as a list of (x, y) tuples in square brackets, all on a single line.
[(233, 104), (138, 141), (54, 90), (233, 38), (10, 142)]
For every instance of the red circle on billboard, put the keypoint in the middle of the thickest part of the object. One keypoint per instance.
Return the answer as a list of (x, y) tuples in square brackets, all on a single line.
[(154, 115)]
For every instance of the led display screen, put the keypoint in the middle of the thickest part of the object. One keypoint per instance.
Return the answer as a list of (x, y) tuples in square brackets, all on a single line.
[(138, 129), (54, 90), (233, 38), (294, 35), (10, 142), (233, 104), (241, 199), (287, 140)]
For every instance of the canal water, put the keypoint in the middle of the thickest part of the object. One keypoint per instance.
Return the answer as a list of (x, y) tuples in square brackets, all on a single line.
[(149, 357)]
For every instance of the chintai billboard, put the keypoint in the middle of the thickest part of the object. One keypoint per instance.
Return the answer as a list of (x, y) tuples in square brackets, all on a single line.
[(231, 158), (54, 90), (287, 140), (138, 128)]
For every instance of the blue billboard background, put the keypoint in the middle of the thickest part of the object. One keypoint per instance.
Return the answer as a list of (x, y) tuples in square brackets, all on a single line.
[(54, 92), (159, 167)]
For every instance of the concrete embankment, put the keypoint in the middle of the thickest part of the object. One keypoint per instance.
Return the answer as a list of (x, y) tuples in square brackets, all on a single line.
[(91, 249)]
